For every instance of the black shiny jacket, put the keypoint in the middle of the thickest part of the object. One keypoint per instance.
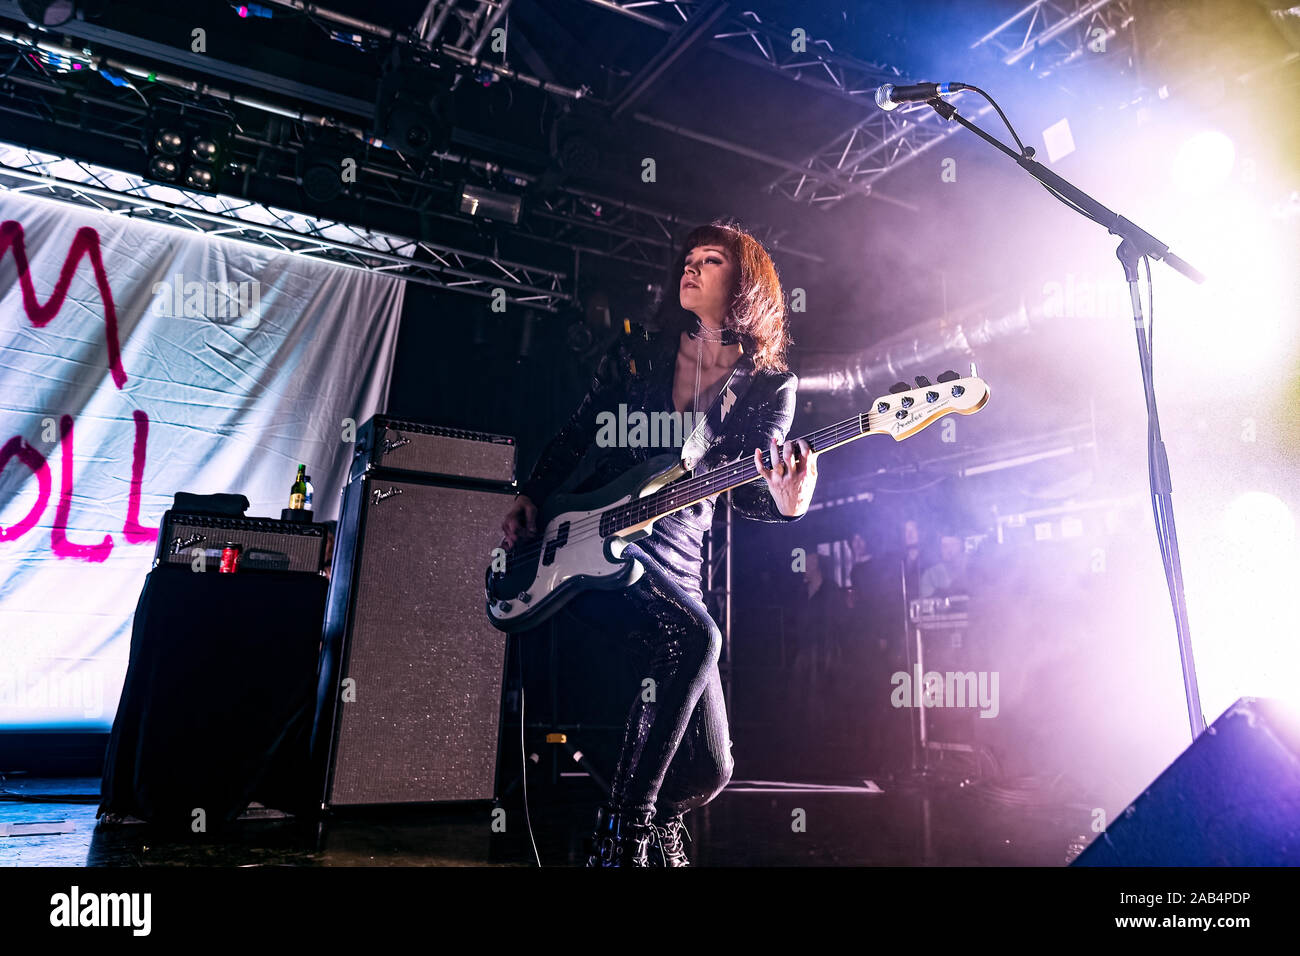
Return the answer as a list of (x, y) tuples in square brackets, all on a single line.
[(638, 370)]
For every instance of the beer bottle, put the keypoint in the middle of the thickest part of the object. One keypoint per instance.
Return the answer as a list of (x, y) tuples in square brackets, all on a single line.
[(298, 493)]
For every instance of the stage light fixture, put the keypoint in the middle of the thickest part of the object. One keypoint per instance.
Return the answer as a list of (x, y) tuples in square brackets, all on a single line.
[(488, 204), (1059, 140), (163, 167), (414, 110), (48, 13), (200, 177), (169, 142), (323, 162), (204, 150), (574, 144), (187, 142)]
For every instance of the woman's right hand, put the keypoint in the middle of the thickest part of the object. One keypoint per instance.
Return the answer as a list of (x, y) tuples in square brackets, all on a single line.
[(521, 518)]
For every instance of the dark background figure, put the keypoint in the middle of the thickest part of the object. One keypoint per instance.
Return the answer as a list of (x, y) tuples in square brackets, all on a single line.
[(819, 683), (950, 575), (881, 616), (863, 555)]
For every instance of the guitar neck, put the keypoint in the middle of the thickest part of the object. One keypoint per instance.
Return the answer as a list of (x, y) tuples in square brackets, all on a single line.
[(687, 491)]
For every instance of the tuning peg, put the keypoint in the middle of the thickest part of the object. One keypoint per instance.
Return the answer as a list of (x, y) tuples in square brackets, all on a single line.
[(899, 387), (948, 376), (922, 382)]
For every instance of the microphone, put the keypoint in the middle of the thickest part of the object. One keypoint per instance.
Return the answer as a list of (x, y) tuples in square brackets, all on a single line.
[(889, 97)]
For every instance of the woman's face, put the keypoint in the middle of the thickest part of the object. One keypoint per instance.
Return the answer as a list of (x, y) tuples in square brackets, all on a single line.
[(707, 280)]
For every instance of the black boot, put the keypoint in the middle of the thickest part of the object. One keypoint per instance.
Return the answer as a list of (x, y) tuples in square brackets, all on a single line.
[(671, 850), (623, 839), (603, 846), (639, 839)]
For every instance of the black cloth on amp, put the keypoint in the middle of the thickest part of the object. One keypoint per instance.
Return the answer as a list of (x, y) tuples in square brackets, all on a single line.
[(220, 693)]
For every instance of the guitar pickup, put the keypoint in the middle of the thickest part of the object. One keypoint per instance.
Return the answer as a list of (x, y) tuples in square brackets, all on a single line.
[(560, 540)]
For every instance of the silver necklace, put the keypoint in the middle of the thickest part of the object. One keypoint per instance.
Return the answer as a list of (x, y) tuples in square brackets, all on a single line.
[(707, 335)]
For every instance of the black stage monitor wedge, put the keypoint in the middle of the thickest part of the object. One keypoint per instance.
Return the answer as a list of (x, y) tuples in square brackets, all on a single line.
[(1231, 799), (409, 708)]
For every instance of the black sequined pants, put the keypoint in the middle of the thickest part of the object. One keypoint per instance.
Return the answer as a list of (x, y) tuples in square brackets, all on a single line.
[(676, 753)]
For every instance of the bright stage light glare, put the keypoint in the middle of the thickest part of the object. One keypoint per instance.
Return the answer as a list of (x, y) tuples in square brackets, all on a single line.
[(1243, 569), (1204, 161), (1239, 326), (1262, 524)]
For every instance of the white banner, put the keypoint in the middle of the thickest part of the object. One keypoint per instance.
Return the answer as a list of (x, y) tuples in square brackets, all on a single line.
[(137, 361)]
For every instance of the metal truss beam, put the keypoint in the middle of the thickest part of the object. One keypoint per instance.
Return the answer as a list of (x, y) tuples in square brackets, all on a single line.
[(1049, 34), (853, 161), (1045, 36), (424, 262), (748, 39), (572, 219)]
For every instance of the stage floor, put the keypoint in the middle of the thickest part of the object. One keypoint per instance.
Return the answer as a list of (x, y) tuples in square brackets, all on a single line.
[(814, 822)]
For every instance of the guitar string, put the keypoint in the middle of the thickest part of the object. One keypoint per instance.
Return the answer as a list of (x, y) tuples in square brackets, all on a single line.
[(581, 529), (644, 507)]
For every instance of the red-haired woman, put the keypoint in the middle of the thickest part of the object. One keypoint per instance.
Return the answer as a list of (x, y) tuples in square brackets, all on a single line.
[(676, 752)]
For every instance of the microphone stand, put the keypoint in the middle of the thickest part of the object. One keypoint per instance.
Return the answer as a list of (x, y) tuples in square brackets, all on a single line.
[(1135, 244)]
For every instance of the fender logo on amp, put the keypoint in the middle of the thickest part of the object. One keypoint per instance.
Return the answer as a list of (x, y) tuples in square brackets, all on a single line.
[(391, 445), (379, 494), (180, 544)]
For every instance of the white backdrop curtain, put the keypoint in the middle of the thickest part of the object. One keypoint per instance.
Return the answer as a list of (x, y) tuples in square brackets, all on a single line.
[(96, 444)]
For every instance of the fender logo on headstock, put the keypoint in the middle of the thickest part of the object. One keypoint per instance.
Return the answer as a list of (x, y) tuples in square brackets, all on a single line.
[(901, 425)]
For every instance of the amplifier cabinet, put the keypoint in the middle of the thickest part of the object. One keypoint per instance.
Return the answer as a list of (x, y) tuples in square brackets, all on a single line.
[(266, 543), (415, 448), (409, 702)]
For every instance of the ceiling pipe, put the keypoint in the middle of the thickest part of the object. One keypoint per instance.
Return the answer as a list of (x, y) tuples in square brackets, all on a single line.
[(927, 348)]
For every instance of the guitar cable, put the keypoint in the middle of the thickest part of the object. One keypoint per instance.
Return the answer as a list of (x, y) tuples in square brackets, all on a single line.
[(523, 750)]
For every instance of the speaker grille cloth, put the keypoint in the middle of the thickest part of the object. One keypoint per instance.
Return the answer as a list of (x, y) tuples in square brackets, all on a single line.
[(426, 662)]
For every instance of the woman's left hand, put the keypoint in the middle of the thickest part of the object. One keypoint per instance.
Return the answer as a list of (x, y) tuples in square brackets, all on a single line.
[(792, 477)]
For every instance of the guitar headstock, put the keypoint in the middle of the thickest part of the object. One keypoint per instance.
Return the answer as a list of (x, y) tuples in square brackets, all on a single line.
[(906, 410)]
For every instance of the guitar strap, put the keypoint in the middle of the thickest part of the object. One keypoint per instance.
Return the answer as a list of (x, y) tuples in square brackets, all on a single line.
[(711, 426)]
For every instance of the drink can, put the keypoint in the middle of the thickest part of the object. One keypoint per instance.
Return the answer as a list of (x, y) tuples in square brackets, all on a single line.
[(229, 558)]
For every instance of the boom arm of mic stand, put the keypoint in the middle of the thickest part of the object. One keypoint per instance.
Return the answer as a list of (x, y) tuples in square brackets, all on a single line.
[(1145, 243)]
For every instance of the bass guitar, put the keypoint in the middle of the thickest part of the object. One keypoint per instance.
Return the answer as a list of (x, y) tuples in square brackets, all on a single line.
[(583, 536)]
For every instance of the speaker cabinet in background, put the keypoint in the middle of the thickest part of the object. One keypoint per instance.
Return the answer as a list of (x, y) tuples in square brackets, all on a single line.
[(1231, 799), (407, 629)]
